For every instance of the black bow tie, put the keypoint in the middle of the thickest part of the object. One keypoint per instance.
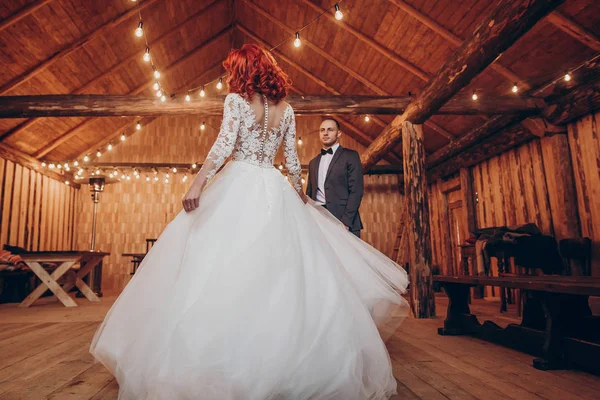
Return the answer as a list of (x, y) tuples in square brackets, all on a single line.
[(328, 151)]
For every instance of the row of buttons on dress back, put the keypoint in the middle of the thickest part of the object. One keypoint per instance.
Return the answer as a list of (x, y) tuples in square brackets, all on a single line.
[(262, 142)]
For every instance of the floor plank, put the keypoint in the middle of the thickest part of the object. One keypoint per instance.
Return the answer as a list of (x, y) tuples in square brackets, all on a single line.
[(44, 355)]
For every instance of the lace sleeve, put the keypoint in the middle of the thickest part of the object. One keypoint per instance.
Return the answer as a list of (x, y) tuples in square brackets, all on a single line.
[(223, 146), (290, 152)]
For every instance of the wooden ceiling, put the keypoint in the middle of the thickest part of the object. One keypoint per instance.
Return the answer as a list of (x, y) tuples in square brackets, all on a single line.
[(384, 47)]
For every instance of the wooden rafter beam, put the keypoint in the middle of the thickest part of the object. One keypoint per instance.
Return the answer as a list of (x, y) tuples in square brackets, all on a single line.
[(358, 135), (18, 80), (582, 100), (148, 167), (579, 98), (491, 147), (22, 13), (507, 22), (583, 73), (359, 77), (477, 135), (9, 153), (453, 39), (27, 124), (540, 127), (572, 28), (124, 105), (79, 128)]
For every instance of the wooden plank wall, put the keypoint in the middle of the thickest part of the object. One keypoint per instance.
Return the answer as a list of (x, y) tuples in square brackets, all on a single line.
[(584, 142), (514, 189), (36, 212), (133, 211)]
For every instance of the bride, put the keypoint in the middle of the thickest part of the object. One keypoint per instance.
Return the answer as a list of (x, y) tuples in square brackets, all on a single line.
[(253, 292)]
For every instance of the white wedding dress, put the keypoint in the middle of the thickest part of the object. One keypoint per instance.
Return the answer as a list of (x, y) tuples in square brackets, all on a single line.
[(254, 295)]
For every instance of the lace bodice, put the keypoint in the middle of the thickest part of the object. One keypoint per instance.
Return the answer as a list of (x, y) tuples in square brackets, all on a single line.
[(245, 139)]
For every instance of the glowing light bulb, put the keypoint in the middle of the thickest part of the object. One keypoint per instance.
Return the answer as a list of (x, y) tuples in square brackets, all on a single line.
[(220, 84), (147, 54), (43, 164), (515, 88), (86, 158), (299, 141), (367, 118), (163, 98), (474, 97), (159, 93), (174, 170), (123, 176), (187, 97), (281, 167), (138, 126), (97, 172), (98, 153), (76, 163), (194, 166), (67, 183), (203, 126), (128, 177), (66, 165), (58, 166), (137, 176), (51, 166), (567, 77), (147, 179), (167, 175), (156, 178), (156, 86), (123, 137), (202, 92), (338, 13), (139, 32), (297, 40), (303, 181), (109, 147), (80, 172), (156, 73)]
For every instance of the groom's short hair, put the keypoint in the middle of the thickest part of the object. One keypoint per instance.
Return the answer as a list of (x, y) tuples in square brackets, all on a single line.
[(337, 124)]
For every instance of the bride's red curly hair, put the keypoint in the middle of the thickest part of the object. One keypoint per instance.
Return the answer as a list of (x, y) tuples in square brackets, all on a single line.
[(254, 70)]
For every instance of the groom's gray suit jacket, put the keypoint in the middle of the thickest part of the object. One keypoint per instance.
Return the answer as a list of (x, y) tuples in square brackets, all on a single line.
[(343, 186)]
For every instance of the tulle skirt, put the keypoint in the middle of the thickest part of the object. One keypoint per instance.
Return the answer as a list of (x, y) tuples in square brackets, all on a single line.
[(255, 296)]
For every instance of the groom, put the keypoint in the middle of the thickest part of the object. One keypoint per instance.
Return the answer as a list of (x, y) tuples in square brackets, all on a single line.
[(335, 177)]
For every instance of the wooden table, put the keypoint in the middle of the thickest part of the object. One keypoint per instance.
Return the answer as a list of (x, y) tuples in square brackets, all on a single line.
[(67, 259)]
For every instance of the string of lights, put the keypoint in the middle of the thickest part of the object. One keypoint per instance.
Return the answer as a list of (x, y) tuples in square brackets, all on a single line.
[(219, 84)]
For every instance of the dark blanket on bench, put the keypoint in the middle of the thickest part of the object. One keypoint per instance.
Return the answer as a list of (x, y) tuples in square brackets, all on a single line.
[(526, 244)]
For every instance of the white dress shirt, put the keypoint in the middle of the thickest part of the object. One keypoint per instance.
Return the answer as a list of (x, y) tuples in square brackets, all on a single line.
[(323, 167)]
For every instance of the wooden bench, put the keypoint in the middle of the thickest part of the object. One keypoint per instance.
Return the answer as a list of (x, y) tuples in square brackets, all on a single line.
[(557, 324)]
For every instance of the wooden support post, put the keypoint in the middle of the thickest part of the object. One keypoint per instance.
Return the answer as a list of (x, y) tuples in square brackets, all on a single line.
[(415, 188), (560, 180)]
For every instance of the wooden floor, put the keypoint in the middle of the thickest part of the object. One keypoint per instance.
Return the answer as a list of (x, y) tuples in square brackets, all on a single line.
[(44, 355)]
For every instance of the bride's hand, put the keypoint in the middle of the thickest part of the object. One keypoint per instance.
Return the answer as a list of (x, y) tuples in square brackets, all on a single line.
[(304, 197), (191, 200)]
